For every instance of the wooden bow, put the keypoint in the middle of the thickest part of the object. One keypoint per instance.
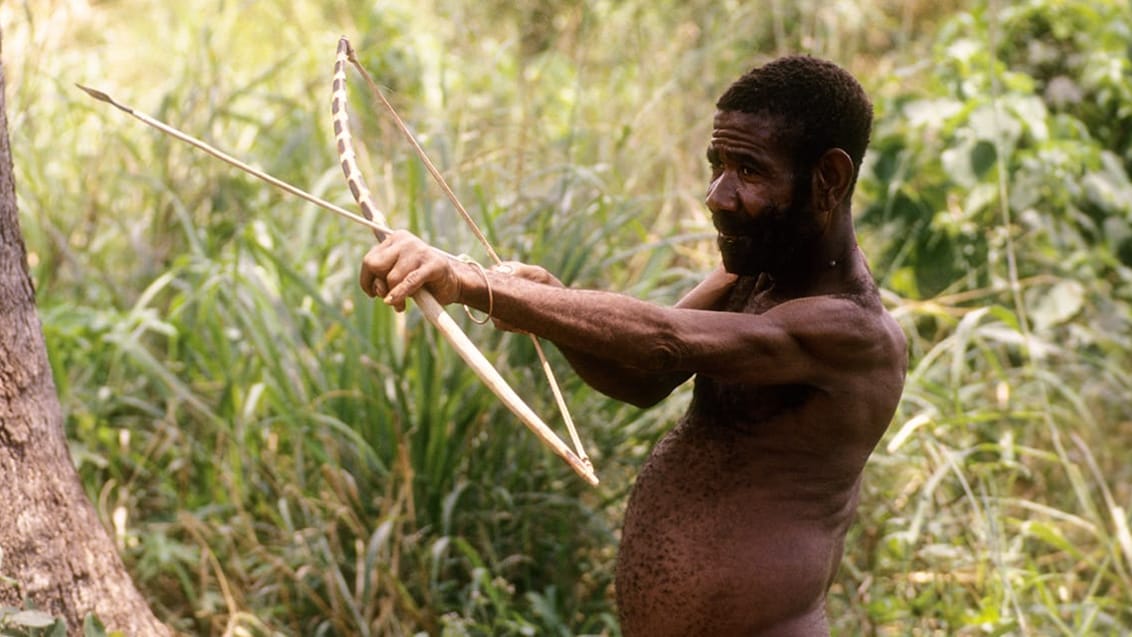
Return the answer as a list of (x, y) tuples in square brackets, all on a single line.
[(432, 310), (375, 221)]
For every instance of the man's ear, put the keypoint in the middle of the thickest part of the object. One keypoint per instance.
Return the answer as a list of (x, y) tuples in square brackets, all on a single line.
[(832, 178)]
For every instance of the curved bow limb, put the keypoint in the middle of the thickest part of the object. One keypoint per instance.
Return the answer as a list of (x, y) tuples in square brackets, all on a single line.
[(429, 306), (345, 48), (434, 312)]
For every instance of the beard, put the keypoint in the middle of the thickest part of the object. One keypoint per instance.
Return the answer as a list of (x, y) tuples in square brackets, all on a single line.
[(770, 242)]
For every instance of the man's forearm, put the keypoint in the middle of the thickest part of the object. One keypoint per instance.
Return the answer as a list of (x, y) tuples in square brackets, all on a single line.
[(609, 339), (600, 325)]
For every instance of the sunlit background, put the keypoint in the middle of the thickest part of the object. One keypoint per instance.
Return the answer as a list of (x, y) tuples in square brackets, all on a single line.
[(276, 454)]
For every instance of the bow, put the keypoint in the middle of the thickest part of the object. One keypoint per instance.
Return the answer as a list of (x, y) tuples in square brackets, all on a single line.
[(432, 310)]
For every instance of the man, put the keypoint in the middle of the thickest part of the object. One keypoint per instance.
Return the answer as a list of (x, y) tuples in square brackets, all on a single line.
[(737, 521)]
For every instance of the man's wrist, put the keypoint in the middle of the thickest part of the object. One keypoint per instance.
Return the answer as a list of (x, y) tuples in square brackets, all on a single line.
[(471, 284)]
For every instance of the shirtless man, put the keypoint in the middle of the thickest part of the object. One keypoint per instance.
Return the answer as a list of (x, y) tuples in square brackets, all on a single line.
[(737, 521)]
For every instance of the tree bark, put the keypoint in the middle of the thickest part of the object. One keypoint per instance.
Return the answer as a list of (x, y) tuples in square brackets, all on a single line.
[(52, 541)]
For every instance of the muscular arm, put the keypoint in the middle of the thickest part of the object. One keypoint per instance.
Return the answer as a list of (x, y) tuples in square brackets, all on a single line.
[(803, 341), (636, 386), (814, 340)]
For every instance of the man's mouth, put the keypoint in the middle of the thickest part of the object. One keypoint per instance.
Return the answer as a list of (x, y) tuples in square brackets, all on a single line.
[(733, 227), (735, 242)]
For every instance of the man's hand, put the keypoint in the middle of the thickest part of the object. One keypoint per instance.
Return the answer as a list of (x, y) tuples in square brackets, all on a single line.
[(535, 273), (398, 267)]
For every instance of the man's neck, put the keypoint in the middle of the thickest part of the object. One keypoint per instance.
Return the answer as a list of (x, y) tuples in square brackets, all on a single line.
[(825, 268)]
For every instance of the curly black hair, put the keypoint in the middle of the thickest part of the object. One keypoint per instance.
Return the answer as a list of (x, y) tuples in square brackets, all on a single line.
[(820, 105)]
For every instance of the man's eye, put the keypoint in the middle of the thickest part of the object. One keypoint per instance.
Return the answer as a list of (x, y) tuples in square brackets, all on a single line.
[(747, 171)]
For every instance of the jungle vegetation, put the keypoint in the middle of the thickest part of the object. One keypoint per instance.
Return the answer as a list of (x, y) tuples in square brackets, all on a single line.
[(277, 454)]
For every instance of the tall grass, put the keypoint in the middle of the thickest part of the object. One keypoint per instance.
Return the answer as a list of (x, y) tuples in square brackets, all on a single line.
[(279, 455)]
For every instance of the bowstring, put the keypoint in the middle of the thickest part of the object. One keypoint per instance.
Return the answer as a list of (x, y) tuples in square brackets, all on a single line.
[(375, 91)]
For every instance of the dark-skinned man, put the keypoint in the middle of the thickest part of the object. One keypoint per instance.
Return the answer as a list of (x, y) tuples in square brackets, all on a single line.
[(736, 523)]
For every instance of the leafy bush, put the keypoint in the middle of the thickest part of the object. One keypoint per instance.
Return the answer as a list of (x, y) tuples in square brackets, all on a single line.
[(999, 209)]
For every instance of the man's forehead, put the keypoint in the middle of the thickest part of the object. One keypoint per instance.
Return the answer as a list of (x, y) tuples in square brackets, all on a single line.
[(736, 127)]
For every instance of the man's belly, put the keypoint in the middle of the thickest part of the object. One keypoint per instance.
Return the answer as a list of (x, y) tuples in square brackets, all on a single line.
[(712, 545)]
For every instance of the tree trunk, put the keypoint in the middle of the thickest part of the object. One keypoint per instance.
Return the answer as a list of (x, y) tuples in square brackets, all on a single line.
[(52, 542)]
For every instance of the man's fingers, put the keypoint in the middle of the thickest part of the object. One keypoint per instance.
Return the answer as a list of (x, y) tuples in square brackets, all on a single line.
[(534, 273), (408, 285), (372, 273), (384, 266), (413, 273), (402, 265)]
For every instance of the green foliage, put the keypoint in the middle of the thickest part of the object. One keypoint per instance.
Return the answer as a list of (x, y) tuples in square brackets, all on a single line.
[(998, 206), (276, 454), (28, 622), (1002, 141)]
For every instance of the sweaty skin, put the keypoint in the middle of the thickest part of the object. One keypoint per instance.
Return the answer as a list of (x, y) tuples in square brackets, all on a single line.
[(737, 521)]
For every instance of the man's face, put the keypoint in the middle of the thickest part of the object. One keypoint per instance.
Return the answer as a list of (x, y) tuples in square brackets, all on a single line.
[(763, 220)]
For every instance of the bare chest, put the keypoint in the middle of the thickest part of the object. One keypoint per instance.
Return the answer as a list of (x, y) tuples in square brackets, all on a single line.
[(744, 407), (716, 401)]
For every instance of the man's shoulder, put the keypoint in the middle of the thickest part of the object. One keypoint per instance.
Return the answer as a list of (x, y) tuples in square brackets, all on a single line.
[(851, 310), (849, 330)]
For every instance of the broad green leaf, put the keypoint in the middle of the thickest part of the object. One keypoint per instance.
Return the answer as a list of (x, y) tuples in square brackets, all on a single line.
[(1058, 305)]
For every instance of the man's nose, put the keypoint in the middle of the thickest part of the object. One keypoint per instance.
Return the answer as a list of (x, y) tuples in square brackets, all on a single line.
[(722, 194)]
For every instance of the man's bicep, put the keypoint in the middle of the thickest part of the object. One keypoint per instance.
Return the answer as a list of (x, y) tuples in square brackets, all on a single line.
[(804, 341)]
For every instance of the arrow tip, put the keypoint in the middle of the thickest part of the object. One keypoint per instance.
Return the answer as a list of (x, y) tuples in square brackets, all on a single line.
[(102, 97)]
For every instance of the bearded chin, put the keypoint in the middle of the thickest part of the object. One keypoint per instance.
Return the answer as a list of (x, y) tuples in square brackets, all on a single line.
[(742, 254), (769, 247)]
